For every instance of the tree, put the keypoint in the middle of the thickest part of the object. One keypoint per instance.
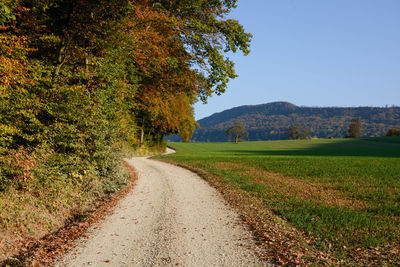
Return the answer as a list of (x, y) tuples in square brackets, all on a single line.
[(297, 132), (208, 35), (178, 52), (354, 128), (237, 132), (393, 132)]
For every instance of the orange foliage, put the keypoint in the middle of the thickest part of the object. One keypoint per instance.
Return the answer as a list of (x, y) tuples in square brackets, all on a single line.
[(14, 66), (168, 85)]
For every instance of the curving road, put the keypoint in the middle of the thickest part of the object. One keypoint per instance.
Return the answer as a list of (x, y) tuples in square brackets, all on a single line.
[(171, 218)]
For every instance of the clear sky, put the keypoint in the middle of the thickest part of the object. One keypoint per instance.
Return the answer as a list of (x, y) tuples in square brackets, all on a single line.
[(316, 53)]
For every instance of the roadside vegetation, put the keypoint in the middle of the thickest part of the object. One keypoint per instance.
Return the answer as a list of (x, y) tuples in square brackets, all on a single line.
[(341, 195)]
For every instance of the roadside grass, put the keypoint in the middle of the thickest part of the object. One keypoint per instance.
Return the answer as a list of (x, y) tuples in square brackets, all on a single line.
[(344, 193), (51, 193)]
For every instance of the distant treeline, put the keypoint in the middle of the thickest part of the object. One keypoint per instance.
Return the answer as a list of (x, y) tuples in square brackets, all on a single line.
[(271, 121)]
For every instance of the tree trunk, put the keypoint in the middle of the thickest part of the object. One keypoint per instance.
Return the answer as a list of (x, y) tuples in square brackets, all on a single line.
[(141, 135), (60, 62), (86, 64), (142, 132)]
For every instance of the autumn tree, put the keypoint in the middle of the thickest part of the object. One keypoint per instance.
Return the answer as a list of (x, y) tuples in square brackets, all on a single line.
[(165, 64), (297, 132), (167, 87), (237, 132), (354, 130), (57, 98), (208, 35)]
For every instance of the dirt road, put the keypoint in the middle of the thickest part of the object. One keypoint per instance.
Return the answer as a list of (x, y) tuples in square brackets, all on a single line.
[(171, 218)]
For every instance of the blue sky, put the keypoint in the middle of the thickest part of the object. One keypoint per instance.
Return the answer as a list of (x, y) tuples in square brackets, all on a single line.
[(316, 53)]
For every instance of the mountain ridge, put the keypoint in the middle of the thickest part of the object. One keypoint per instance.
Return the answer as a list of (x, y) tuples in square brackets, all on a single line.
[(269, 121), (249, 106)]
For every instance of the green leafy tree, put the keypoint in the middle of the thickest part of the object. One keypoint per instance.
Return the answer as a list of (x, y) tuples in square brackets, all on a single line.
[(237, 132), (208, 35), (297, 132), (354, 128)]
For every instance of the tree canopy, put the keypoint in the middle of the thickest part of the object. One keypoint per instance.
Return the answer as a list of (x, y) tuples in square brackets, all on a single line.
[(354, 128), (297, 132), (82, 77), (237, 132)]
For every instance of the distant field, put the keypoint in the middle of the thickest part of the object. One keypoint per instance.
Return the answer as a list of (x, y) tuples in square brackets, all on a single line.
[(345, 193)]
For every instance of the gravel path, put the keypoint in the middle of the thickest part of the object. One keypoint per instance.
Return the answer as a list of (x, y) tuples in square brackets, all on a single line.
[(171, 218)]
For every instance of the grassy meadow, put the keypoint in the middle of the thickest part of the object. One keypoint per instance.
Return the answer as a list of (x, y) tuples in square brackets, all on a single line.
[(342, 193)]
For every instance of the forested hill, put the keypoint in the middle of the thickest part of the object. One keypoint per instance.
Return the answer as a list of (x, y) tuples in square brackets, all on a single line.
[(270, 121)]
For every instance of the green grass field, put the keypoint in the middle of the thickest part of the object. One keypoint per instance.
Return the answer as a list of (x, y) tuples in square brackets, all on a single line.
[(345, 193)]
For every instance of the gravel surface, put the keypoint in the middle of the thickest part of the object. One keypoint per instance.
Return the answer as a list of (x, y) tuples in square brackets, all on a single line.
[(171, 218)]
